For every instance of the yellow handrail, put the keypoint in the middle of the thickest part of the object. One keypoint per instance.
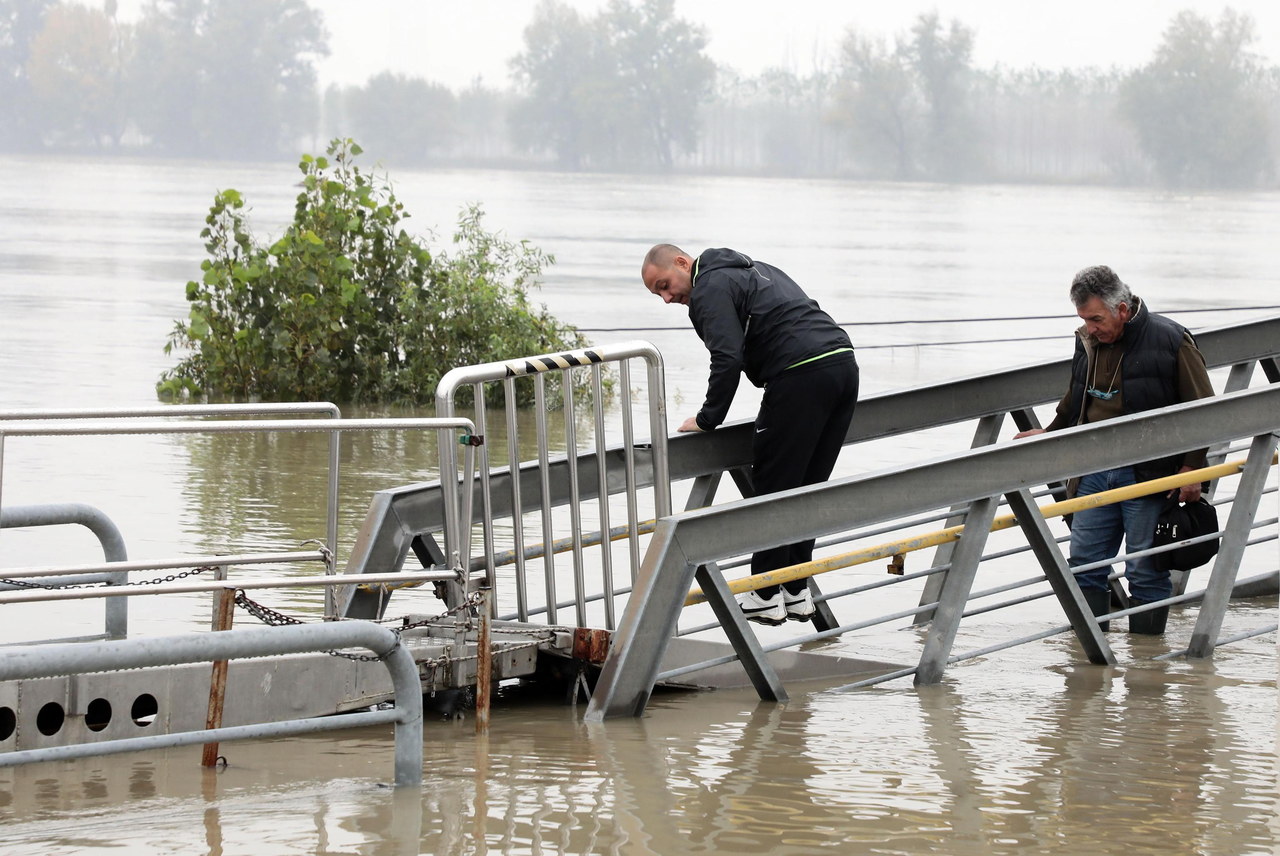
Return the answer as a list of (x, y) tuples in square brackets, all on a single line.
[(943, 536)]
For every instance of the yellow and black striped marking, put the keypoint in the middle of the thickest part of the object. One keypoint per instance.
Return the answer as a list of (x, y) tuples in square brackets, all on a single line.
[(552, 362)]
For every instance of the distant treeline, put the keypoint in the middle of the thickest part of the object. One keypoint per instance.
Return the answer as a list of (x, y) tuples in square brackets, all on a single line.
[(632, 89)]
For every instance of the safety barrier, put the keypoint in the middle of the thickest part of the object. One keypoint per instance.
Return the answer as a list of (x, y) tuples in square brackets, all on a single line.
[(690, 546), (73, 423), (116, 613), (39, 661), (407, 518)]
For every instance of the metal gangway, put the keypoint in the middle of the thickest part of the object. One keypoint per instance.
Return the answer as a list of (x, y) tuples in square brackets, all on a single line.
[(516, 556), (498, 528)]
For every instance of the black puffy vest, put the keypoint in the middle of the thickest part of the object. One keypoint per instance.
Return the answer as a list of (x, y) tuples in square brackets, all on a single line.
[(1148, 376)]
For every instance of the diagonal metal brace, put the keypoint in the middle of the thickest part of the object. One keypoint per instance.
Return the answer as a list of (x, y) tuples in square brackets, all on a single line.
[(1235, 536), (750, 654), (1060, 577), (955, 591)]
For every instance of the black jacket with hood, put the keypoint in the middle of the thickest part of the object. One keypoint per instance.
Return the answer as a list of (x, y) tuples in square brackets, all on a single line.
[(753, 318)]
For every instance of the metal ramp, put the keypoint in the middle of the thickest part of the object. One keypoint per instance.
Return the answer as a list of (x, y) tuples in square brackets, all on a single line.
[(411, 518)]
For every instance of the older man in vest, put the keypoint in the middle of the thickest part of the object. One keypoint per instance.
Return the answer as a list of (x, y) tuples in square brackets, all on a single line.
[(1127, 360)]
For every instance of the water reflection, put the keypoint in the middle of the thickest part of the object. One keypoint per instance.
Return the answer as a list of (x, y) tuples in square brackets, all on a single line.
[(1156, 758)]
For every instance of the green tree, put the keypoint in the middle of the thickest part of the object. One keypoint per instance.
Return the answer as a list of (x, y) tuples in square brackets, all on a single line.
[(1197, 106), (346, 305), (908, 107), (559, 69), (76, 68), (227, 78), (877, 101), (20, 22), (406, 119), (620, 89), (941, 59), (662, 76)]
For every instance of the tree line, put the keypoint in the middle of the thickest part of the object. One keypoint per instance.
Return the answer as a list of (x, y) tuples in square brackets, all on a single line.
[(632, 88)]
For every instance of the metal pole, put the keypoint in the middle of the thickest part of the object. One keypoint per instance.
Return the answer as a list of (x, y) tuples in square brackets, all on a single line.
[(575, 499), (602, 471), (517, 507), (629, 456), (658, 433), (1061, 578), (224, 604), (548, 532), (955, 592), (486, 496), (331, 521), (484, 663)]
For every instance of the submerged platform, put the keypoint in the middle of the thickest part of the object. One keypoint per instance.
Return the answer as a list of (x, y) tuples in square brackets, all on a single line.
[(89, 708)]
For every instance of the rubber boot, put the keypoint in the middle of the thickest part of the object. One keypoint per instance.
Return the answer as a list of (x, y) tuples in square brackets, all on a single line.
[(1099, 601), (1149, 623)]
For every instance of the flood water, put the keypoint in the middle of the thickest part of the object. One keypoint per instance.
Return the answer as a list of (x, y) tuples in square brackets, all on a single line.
[(1029, 750)]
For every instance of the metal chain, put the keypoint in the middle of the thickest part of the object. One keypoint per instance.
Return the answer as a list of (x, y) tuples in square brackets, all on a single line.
[(167, 579), (275, 618)]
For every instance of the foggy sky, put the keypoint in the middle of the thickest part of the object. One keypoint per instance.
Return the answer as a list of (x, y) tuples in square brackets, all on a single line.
[(454, 43)]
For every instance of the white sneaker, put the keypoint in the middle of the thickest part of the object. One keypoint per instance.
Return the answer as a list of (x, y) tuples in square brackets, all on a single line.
[(769, 611), (799, 607)]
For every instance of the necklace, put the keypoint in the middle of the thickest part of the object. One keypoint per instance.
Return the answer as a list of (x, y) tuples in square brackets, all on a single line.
[(1111, 386)]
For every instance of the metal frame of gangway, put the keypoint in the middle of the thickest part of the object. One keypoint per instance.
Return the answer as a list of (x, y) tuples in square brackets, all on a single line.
[(687, 547), (51, 423), (405, 518), (44, 661)]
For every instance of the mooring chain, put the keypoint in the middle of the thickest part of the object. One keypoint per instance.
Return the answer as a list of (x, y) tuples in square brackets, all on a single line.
[(275, 618), (157, 581)]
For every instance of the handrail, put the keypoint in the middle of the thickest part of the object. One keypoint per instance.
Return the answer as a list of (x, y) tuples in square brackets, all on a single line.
[(689, 545), (23, 427), (728, 449), (43, 661), (180, 411), (456, 512), (181, 587), (827, 564)]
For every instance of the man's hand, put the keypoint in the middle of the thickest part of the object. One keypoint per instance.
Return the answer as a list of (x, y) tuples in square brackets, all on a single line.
[(1030, 432), (690, 424), (1190, 492)]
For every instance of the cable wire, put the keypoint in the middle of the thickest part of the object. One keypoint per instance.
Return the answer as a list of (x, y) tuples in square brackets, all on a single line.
[(937, 321)]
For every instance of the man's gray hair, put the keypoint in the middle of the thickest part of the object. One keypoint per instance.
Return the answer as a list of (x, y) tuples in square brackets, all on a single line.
[(1102, 282)]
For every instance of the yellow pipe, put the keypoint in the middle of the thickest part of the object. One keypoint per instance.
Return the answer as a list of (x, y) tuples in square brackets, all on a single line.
[(943, 536)]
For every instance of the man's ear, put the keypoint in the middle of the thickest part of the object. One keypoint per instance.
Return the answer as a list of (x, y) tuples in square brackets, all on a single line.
[(683, 262)]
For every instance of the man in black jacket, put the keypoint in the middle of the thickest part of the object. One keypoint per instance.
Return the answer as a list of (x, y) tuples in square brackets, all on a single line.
[(753, 318), (1127, 360)]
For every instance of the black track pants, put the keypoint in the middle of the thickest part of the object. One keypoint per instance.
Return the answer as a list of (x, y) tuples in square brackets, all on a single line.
[(802, 423)]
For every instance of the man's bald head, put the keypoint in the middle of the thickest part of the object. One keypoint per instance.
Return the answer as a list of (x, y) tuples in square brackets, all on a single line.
[(667, 271)]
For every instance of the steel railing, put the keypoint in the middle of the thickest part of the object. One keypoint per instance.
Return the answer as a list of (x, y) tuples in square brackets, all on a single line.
[(401, 520), (29, 425), (42, 661), (691, 545), (405, 518)]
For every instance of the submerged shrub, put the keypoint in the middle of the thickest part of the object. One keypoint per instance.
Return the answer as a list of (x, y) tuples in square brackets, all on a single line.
[(348, 306)]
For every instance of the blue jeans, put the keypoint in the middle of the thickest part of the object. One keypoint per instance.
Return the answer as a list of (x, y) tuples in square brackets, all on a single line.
[(1096, 534)]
